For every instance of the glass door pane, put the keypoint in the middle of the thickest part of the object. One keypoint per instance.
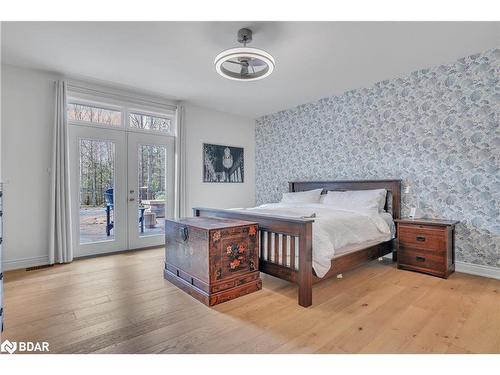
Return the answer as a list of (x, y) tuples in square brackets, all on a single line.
[(97, 176), (151, 188)]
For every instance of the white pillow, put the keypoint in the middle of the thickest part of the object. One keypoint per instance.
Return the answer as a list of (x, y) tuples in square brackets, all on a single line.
[(357, 200), (309, 196)]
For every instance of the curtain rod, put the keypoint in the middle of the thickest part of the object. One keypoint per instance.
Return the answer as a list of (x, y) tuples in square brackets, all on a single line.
[(113, 95)]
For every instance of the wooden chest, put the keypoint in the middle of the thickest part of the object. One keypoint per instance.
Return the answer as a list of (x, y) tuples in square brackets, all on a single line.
[(427, 245), (212, 259)]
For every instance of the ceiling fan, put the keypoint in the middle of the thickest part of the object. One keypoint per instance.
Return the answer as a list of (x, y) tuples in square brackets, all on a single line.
[(244, 63)]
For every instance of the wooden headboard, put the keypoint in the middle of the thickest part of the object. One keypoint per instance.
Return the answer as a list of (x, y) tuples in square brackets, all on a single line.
[(393, 187)]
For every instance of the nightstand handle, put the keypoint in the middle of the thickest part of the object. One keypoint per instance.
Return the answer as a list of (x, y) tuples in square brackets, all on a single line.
[(420, 259), (420, 238)]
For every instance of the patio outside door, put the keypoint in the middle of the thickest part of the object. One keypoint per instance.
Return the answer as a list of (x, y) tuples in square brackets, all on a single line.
[(151, 165)]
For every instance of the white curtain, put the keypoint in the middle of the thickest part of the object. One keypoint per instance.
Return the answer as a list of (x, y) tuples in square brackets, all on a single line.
[(180, 168), (1, 273), (61, 244)]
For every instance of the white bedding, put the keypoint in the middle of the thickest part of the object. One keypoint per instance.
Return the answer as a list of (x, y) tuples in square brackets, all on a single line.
[(333, 229)]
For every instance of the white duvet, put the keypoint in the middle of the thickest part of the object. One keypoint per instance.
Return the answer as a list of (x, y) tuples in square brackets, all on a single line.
[(332, 228)]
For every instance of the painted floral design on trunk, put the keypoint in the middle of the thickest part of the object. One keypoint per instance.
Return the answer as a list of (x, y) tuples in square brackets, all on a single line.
[(216, 236), (252, 231), (237, 256)]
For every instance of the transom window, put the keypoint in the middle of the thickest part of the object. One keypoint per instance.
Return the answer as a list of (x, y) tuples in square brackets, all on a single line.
[(94, 114), (87, 110), (150, 122)]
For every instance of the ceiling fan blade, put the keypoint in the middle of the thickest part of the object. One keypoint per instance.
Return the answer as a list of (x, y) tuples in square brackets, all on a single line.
[(256, 62), (234, 62)]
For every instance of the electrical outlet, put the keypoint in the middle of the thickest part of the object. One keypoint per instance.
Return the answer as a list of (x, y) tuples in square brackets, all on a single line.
[(413, 212)]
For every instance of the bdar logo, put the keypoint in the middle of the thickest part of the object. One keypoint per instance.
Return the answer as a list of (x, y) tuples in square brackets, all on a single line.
[(24, 346), (9, 347)]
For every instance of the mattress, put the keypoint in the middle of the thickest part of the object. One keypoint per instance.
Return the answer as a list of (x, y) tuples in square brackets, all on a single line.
[(338, 252), (332, 228)]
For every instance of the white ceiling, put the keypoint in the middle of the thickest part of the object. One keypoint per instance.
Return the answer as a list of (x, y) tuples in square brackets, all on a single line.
[(175, 59)]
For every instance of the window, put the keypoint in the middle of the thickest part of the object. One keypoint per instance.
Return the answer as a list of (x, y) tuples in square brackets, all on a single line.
[(150, 122), (93, 114), (139, 115)]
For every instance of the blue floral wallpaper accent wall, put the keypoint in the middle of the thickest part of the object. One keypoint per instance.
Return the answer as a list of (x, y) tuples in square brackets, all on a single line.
[(436, 129)]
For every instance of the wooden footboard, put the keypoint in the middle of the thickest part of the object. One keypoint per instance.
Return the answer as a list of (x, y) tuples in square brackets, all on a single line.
[(281, 239)]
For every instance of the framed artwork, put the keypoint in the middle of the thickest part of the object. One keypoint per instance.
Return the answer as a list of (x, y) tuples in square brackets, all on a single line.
[(223, 163)]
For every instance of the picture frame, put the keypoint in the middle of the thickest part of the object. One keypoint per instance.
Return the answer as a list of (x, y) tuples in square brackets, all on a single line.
[(223, 163)]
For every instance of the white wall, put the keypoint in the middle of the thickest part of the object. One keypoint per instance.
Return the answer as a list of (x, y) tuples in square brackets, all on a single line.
[(208, 126), (26, 147), (27, 116)]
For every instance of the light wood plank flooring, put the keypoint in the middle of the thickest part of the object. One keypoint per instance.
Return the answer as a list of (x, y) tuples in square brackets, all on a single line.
[(122, 304)]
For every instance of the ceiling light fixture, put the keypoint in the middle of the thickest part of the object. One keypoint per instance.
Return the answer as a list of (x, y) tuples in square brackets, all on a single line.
[(244, 63)]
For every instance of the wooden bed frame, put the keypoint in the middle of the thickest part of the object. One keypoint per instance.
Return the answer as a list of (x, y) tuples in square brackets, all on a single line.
[(275, 261)]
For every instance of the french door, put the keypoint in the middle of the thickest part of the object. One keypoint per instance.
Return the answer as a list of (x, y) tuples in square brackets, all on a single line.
[(151, 167), (122, 189)]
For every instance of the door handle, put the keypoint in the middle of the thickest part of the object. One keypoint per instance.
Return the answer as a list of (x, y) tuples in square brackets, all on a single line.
[(420, 259), (420, 238), (131, 199)]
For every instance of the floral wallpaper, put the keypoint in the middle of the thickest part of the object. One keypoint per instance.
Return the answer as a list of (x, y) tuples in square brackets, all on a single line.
[(437, 129)]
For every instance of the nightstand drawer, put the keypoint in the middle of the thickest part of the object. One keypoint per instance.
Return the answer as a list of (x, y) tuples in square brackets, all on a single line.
[(420, 258), (431, 239)]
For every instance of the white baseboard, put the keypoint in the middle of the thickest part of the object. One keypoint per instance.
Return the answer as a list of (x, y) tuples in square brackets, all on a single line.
[(9, 265), (478, 269)]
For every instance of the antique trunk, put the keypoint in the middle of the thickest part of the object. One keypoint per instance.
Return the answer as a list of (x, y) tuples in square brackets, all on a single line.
[(214, 260)]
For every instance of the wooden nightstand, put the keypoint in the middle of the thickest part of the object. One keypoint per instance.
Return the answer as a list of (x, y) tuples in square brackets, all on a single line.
[(426, 245)]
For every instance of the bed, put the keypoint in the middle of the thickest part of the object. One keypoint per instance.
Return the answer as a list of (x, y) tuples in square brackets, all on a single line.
[(286, 242)]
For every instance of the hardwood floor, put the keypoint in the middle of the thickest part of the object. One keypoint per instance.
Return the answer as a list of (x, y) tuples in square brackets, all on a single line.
[(122, 304)]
